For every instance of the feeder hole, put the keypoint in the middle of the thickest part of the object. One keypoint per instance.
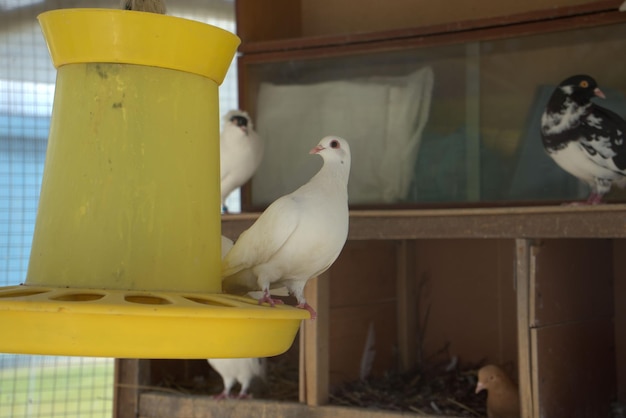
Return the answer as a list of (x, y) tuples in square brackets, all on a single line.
[(21, 293), (146, 300), (208, 302), (79, 297)]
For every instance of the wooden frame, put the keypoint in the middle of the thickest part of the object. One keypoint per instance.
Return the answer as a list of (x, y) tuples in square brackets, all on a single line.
[(539, 21), (529, 228), (297, 48), (603, 221), (526, 226)]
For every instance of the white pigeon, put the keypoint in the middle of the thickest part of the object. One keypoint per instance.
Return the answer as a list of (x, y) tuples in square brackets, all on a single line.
[(242, 370), (299, 236), (152, 6), (241, 151)]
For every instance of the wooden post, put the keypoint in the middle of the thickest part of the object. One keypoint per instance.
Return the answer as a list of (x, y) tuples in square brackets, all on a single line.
[(522, 275), (406, 293), (314, 358), (619, 268), (130, 376)]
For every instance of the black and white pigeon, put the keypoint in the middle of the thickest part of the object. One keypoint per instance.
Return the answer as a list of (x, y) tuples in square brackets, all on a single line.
[(241, 152), (151, 6), (584, 139), (298, 236)]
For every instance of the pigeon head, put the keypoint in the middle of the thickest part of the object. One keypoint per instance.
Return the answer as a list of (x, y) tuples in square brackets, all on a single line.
[(239, 119), (489, 377), (581, 88), (333, 148)]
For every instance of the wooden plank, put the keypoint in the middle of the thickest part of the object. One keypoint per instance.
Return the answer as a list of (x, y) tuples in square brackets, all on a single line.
[(576, 364), (364, 273), (264, 20), (314, 354), (549, 19), (522, 276), (408, 303), (358, 16), (363, 293), (574, 281), (572, 328), (348, 335), (534, 361), (131, 376), (619, 269), (468, 301), (602, 221), (157, 405)]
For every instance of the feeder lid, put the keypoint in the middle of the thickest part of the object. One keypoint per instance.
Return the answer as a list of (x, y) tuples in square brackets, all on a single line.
[(122, 36), (138, 324)]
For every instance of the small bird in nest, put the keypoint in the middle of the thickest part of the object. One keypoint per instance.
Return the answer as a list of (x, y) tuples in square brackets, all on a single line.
[(151, 6), (502, 393)]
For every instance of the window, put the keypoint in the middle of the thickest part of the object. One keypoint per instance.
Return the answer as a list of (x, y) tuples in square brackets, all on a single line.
[(454, 124)]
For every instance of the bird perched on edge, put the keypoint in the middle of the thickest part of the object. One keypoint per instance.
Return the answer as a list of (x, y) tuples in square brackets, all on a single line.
[(241, 152), (152, 6), (586, 140), (502, 393), (242, 370), (299, 235)]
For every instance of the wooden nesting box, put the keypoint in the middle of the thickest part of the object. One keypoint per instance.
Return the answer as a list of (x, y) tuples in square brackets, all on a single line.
[(473, 264), (542, 288)]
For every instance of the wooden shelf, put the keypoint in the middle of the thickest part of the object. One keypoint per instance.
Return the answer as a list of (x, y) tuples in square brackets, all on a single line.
[(603, 221), (285, 35), (533, 22), (157, 405)]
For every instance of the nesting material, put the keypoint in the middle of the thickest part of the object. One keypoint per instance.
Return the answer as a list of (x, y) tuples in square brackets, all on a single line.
[(447, 393)]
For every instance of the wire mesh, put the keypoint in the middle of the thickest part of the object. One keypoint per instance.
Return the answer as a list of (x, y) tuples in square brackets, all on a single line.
[(47, 386)]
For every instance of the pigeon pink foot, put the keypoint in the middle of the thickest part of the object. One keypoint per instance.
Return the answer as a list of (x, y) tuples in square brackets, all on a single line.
[(267, 298), (308, 308), (593, 199)]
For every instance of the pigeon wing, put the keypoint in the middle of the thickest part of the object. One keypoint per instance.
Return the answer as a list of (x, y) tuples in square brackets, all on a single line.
[(605, 137), (264, 238)]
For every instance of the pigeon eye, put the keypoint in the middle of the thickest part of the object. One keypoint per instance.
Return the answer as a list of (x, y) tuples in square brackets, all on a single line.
[(584, 84), (334, 143)]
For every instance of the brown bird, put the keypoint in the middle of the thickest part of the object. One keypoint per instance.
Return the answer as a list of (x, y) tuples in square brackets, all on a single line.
[(152, 6), (502, 393)]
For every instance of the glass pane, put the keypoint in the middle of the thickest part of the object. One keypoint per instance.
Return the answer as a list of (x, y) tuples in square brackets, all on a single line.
[(443, 125)]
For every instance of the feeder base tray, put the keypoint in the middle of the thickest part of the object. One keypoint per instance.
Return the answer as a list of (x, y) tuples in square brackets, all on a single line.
[(142, 324)]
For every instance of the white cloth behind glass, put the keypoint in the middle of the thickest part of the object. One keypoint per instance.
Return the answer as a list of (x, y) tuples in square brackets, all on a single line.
[(382, 118)]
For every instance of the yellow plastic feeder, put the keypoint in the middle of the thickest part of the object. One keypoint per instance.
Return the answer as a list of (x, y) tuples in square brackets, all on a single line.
[(125, 259)]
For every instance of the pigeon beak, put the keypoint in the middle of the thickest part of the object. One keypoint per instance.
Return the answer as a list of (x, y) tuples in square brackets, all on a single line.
[(480, 386), (599, 93), (316, 149), (244, 129)]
